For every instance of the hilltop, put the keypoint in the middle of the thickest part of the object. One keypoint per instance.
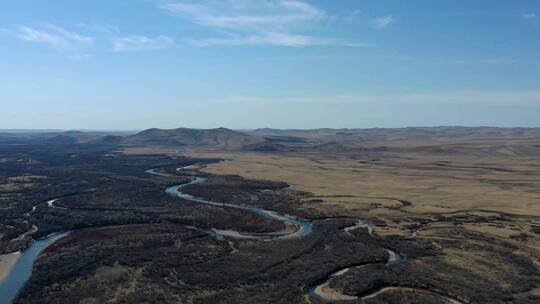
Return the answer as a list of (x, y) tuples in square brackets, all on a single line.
[(219, 138)]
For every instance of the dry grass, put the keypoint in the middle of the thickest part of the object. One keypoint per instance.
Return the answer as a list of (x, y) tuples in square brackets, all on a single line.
[(502, 185), (356, 187), (151, 151), (10, 187)]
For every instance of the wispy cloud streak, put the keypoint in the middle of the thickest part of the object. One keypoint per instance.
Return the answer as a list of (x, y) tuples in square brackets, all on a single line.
[(383, 22), (264, 15), (135, 43), (275, 39), (271, 22), (52, 35)]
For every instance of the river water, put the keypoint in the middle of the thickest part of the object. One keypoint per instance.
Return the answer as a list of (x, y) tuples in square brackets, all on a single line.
[(21, 271)]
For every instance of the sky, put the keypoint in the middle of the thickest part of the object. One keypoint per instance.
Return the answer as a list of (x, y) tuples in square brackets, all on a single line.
[(243, 64)]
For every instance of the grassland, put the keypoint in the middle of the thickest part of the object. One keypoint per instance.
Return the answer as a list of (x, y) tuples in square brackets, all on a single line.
[(432, 184)]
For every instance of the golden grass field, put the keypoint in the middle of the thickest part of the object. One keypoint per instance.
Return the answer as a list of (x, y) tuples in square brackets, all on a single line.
[(501, 185)]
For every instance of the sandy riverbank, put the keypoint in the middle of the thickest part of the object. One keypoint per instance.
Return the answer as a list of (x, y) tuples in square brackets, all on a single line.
[(326, 292), (6, 264)]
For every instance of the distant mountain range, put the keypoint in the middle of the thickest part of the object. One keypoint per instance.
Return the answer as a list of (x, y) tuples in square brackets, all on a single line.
[(328, 135), (432, 140), (220, 138)]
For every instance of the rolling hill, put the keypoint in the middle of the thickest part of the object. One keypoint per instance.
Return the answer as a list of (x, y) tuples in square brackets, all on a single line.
[(219, 138)]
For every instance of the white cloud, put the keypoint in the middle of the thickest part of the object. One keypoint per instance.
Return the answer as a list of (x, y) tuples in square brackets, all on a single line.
[(275, 39), (263, 15), (99, 28), (52, 35), (65, 40), (141, 43), (383, 22), (260, 39), (269, 22), (530, 16), (80, 56)]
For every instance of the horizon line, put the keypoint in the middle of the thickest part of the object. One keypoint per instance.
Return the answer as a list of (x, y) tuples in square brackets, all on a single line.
[(55, 130)]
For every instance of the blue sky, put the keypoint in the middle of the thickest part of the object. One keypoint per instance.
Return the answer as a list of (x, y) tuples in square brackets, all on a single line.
[(135, 64)]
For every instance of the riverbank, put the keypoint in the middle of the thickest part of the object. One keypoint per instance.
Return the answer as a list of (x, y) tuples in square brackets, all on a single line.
[(6, 264)]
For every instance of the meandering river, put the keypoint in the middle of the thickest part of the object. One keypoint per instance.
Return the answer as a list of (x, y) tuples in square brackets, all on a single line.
[(22, 269), (303, 227)]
